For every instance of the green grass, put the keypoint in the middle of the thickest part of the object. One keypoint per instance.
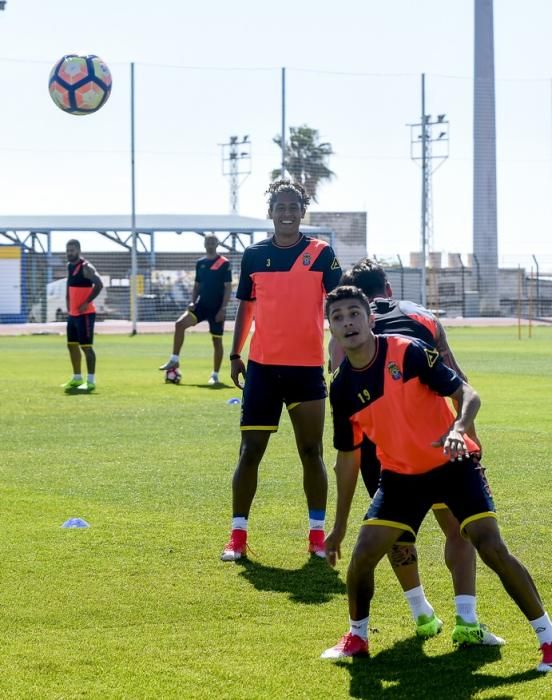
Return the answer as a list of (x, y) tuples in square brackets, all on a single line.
[(139, 605)]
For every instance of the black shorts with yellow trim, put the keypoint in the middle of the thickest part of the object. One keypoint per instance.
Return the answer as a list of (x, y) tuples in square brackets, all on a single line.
[(80, 329), (403, 500), (269, 387), (200, 312)]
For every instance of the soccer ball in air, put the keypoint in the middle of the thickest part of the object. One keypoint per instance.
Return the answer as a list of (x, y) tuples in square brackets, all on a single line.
[(172, 376), (80, 84)]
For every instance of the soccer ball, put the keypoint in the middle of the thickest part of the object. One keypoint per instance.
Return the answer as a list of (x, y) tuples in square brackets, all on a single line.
[(80, 84), (172, 376)]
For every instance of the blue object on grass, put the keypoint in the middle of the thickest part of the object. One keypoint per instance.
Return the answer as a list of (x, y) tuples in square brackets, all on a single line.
[(233, 402), (75, 522)]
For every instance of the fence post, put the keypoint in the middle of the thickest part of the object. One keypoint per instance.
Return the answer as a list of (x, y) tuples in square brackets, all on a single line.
[(537, 304), (402, 276), (463, 286)]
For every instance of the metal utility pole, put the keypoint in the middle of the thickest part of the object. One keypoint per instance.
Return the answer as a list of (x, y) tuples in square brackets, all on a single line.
[(283, 136), (236, 162), (426, 146), (133, 255)]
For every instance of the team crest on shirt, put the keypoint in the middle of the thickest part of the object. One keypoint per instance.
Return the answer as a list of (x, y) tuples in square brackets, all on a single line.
[(394, 371), (432, 356), (307, 259)]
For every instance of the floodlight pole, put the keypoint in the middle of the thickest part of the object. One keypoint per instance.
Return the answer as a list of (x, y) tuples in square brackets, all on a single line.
[(424, 229), (134, 259), (283, 136), (236, 161)]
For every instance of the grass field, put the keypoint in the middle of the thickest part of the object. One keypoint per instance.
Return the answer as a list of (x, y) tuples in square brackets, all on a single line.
[(139, 605)]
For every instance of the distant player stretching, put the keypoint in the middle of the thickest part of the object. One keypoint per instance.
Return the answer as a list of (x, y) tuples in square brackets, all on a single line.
[(283, 283), (426, 457), (83, 286), (210, 295)]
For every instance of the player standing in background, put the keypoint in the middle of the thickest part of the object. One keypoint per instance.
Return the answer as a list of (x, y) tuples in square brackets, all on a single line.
[(406, 318), (83, 286), (426, 457), (210, 296), (283, 283)]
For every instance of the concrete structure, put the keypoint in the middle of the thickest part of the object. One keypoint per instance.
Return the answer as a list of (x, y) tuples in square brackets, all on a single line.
[(350, 230), (485, 247)]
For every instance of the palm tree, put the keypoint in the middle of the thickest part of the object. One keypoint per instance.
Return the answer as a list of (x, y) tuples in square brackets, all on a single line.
[(305, 158)]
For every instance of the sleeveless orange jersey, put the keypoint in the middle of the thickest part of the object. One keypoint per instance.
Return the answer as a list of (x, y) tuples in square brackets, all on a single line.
[(79, 288)]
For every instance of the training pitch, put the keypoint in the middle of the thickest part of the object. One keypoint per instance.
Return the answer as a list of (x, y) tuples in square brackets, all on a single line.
[(138, 605)]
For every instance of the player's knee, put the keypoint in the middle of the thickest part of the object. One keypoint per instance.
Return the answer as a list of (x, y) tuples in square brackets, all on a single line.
[(310, 452), (364, 557), (251, 452), (456, 545), (492, 549)]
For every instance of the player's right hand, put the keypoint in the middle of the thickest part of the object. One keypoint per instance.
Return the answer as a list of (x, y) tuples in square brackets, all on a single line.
[(237, 368), (332, 545)]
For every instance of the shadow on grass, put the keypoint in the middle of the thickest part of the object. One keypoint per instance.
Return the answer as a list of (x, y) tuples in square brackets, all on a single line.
[(211, 387), (76, 392), (312, 584), (404, 671)]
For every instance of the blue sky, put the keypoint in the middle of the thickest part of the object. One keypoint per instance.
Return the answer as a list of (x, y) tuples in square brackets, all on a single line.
[(208, 70)]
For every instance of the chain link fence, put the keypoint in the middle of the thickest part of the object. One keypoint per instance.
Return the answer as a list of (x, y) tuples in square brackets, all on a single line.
[(55, 164)]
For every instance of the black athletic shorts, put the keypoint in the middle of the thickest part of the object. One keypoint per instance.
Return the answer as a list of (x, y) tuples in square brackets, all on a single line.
[(80, 329), (269, 387), (403, 500), (370, 467), (202, 313)]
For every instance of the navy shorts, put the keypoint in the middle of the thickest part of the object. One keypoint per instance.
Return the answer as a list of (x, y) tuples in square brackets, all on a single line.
[(403, 500), (80, 329), (269, 387), (202, 313)]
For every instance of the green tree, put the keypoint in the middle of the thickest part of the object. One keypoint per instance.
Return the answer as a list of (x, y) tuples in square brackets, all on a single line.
[(306, 158)]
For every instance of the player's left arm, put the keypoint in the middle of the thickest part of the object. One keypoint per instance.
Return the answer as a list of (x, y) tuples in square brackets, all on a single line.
[(441, 343), (424, 361), (330, 267), (89, 271), (467, 403)]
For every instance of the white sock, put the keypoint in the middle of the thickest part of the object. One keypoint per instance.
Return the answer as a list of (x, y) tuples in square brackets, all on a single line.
[(175, 358), (214, 375), (419, 605), (465, 608), (239, 523), (91, 378), (543, 629), (77, 377), (359, 627), (316, 524)]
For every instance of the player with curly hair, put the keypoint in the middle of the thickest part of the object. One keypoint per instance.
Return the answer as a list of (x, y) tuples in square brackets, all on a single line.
[(287, 271)]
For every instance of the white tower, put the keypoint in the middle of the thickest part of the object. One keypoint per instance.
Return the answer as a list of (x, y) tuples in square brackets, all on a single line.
[(485, 247)]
